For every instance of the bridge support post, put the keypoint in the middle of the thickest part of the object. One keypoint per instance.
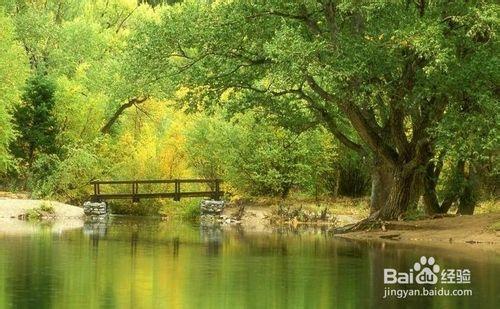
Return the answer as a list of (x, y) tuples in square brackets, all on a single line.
[(135, 191), (211, 211), (177, 192), (95, 208)]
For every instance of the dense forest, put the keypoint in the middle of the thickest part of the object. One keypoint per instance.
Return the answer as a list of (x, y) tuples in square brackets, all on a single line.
[(396, 100)]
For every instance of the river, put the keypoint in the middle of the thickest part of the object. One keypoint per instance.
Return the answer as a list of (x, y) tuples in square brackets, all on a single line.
[(149, 263)]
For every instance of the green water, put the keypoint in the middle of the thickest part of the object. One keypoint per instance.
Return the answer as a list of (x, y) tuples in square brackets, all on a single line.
[(144, 263)]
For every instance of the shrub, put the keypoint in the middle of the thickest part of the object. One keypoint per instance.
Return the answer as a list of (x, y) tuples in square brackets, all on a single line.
[(256, 157), (188, 209), (43, 211)]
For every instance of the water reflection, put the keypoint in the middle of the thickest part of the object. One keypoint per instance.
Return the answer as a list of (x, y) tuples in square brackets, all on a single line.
[(147, 263), (211, 236)]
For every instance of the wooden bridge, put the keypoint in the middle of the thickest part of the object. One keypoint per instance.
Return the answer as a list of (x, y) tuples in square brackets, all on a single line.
[(135, 194)]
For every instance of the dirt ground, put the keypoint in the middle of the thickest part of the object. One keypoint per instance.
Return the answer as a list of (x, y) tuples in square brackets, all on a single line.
[(456, 232), (466, 232), (11, 207)]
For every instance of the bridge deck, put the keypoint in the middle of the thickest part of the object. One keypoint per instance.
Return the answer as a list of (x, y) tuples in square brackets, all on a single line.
[(176, 194)]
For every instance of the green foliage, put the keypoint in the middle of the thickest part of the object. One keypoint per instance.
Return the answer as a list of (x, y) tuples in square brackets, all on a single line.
[(43, 211), (415, 214), (13, 72), (78, 79), (47, 207), (35, 121), (354, 173), (142, 208), (495, 226), (286, 96), (68, 178), (488, 206), (389, 79), (255, 157), (187, 209), (206, 146)]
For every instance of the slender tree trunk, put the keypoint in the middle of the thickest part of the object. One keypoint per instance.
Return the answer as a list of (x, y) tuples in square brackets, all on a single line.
[(467, 202), (417, 189), (464, 193), (431, 202), (468, 197), (134, 101), (336, 185)]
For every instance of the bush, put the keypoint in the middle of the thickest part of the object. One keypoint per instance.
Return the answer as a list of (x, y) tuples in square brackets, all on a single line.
[(43, 211), (284, 213), (68, 179), (188, 209)]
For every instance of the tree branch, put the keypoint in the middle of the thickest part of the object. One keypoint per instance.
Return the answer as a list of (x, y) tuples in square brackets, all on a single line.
[(329, 10), (330, 122), (125, 19), (107, 127), (369, 135), (303, 16)]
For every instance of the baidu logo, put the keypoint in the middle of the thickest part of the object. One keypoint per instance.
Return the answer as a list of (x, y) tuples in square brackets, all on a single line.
[(432, 278), (426, 271)]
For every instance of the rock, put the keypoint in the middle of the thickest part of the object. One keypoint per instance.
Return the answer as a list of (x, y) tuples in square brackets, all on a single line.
[(209, 220), (211, 207), (95, 208), (211, 212)]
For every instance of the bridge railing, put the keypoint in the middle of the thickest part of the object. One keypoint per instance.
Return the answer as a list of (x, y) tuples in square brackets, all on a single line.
[(135, 194)]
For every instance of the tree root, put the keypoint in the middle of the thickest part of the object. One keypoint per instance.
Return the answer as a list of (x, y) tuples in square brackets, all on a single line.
[(363, 225), (368, 224)]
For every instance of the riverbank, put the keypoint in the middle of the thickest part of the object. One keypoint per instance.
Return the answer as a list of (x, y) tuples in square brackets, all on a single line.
[(479, 231), (14, 210), (261, 214)]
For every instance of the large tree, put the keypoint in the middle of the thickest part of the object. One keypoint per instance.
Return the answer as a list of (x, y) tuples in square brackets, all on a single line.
[(387, 71)]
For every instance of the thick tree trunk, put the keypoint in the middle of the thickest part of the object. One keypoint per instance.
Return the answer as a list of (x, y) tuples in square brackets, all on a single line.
[(399, 195), (382, 180)]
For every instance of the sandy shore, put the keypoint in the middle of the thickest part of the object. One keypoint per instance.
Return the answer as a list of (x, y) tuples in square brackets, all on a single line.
[(65, 216), (12, 208), (457, 232), (454, 232)]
